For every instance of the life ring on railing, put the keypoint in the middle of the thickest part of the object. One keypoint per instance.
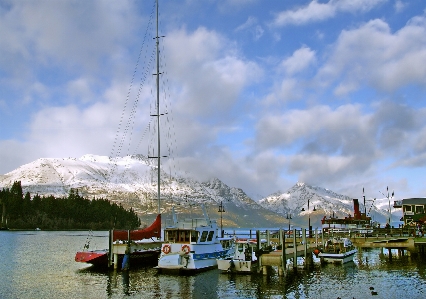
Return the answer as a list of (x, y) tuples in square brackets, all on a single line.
[(185, 249), (166, 249)]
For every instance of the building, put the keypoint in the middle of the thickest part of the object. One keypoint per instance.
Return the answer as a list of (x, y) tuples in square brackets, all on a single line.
[(413, 210)]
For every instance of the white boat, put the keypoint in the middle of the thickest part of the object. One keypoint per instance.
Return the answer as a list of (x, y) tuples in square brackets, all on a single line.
[(190, 245), (337, 250), (243, 260)]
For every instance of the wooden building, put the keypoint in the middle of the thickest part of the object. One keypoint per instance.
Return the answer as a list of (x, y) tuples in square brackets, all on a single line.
[(413, 210)]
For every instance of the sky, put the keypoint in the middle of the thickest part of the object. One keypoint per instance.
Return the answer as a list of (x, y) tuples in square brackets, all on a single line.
[(260, 94)]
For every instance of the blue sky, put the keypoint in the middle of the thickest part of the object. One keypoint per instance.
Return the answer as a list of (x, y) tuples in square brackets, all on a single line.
[(260, 94)]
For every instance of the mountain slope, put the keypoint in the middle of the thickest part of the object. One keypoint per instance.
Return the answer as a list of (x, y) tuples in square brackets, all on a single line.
[(132, 182)]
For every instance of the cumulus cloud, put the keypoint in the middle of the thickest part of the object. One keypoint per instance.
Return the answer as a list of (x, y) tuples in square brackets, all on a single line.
[(300, 60), (212, 79), (399, 6), (325, 144), (315, 11), (374, 56)]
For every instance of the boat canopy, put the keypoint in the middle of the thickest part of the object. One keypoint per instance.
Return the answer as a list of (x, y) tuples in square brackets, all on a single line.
[(154, 230)]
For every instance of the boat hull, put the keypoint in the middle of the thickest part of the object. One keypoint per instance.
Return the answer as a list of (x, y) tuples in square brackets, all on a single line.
[(95, 257), (200, 258), (237, 266), (99, 258), (338, 258)]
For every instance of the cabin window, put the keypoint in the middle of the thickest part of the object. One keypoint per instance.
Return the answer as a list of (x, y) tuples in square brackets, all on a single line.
[(408, 208), (194, 236), (182, 236), (171, 236), (203, 236), (419, 209), (210, 236)]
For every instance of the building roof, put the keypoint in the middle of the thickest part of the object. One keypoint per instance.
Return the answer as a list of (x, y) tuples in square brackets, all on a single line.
[(414, 201)]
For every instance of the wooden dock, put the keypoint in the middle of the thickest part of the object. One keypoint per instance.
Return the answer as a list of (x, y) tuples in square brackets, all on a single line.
[(290, 249), (296, 244)]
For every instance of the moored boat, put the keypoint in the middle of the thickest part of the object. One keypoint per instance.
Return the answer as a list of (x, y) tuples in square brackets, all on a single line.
[(358, 223), (243, 260), (190, 245), (337, 250), (138, 243)]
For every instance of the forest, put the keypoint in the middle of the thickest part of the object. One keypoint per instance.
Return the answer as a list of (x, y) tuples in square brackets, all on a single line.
[(66, 213)]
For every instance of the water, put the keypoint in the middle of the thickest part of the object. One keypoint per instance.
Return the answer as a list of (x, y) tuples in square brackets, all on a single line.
[(40, 264)]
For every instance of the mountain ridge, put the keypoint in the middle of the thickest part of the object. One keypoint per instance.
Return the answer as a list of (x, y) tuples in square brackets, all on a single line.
[(131, 182)]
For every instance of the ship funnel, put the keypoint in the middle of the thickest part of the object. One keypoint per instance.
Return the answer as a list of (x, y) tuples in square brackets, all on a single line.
[(357, 213)]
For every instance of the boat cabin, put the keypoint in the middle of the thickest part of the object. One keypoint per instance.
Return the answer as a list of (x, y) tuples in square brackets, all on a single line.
[(190, 236), (192, 231)]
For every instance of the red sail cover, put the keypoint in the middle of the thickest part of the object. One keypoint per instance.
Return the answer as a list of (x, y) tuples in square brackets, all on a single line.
[(154, 230)]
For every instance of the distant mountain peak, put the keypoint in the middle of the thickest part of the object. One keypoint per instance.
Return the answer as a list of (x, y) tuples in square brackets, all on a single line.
[(300, 184)]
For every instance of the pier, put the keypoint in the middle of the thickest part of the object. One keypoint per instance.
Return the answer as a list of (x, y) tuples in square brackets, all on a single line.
[(285, 245), (295, 245)]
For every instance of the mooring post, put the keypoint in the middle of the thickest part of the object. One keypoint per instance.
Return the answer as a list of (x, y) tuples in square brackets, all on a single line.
[(115, 260), (283, 260), (316, 237), (110, 246), (295, 250), (305, 245), (268, 237), (258, 251)]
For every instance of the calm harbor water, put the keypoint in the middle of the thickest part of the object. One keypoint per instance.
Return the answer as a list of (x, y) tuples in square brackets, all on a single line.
[(38, 264)]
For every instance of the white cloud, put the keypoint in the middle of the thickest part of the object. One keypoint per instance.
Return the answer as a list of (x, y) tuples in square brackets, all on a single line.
[(399, 6), (324, 145), (251, 21), (315, 11), (251, 25), (299, 61), (374, 56), (209, 70)]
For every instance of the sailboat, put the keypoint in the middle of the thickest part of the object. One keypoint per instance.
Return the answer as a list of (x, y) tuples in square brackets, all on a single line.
[(136, 245)]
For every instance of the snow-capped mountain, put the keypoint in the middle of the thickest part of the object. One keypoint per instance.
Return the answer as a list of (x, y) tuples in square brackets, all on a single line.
[(322, 202), (132, 182)]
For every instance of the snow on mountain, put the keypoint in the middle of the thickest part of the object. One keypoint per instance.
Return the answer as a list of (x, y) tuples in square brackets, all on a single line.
[(324, 201), (92, 175), (132, 182)]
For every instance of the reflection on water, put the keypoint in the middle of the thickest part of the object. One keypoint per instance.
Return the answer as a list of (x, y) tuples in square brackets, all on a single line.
[(41, 265)]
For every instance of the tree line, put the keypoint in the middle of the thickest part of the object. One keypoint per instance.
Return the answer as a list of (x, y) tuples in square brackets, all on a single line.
[(72, 212)]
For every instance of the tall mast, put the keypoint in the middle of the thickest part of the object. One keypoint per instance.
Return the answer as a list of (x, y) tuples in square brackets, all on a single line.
[(158, 114)]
